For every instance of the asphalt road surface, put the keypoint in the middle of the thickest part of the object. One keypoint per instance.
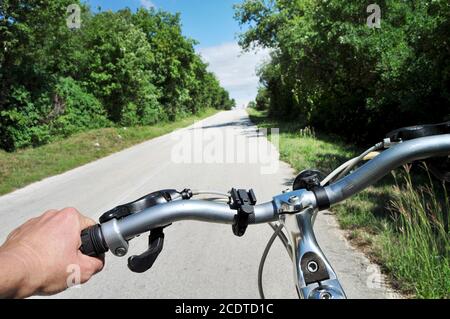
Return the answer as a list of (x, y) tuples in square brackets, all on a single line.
[(199, 260)]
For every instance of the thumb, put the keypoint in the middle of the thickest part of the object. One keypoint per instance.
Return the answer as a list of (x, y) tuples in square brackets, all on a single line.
[(85, 222)]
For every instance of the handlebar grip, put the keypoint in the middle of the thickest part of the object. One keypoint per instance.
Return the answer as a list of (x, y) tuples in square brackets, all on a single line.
[(92, 242)]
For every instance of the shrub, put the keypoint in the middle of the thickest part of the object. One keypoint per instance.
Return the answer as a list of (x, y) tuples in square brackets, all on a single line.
[(74, 110), (340, 76), (21, 123)]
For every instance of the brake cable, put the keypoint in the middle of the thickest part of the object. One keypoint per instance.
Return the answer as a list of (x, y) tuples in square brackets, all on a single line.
[(278, 232), (342, 170), (217, 193)]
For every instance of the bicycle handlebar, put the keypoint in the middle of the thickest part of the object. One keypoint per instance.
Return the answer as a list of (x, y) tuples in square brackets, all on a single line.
[(115, 234), (380, 166), (196, 210)]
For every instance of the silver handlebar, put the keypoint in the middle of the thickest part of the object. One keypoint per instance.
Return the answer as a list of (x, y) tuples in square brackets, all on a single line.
[(118, 232), (373, 171), (299, 209), (195, 210)]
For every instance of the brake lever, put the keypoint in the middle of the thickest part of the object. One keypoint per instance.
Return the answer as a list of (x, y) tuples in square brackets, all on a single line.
[(144, 262), (93, 243), (148, 201)]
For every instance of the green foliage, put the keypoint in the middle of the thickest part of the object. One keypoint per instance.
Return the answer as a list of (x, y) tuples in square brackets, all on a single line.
[(75, 110), (24, 117), (263, 99), (330, 69), (120, 68), (251, 105)]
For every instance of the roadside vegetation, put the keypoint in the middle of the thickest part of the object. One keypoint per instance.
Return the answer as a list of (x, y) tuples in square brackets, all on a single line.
[(66, 93), (29, 165), (353, 84), (109, 69), (331, 71), (401, 223)]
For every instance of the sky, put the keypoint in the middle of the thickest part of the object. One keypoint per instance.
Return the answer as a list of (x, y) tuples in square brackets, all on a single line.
[(211, 23)]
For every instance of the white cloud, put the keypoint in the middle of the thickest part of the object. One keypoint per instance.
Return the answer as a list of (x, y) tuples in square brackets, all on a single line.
[(235, 69), (147, 4)]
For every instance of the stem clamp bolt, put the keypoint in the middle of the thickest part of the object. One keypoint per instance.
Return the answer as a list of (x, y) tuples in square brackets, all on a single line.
[(120, 252)]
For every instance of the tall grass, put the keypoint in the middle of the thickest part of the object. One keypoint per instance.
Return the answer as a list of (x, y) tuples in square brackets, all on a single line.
[(417, 250)]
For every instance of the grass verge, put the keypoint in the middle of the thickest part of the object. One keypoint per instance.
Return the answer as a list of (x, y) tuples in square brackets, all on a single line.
[(398, 222), (30, 165)]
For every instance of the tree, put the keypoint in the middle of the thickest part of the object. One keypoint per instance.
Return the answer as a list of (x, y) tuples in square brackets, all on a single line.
[(34, 44), (120, 68), (332, 71), (251, 105)]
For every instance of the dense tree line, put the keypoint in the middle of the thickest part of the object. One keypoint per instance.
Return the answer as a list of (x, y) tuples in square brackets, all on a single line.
[(122, 68), (332, 71)]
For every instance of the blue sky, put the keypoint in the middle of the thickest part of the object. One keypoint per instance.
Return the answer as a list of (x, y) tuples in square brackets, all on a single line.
[(211, 23)]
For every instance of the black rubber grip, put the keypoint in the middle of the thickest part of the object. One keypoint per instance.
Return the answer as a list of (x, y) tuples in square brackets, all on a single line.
[(92, 242), (323, 202)]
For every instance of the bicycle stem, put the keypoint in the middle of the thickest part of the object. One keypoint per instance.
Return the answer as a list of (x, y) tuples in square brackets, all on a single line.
[(314, 276)]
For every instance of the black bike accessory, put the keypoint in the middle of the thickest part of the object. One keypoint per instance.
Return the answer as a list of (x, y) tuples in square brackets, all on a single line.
[(92, 242), (142, 263), (244, 203), (148, 201), (186, 194), (310, 180), (439, 167), (313, 268), (413, 132)]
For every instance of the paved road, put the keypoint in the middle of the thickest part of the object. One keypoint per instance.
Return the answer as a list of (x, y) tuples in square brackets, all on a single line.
[(199, 260)]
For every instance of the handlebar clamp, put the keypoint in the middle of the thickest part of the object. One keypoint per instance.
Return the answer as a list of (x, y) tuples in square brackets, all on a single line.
[(310, 180), (244, 203)]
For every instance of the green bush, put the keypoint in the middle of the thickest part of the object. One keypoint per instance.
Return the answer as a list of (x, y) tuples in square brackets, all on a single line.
[(262, 99), (124, 67), (337, 74), (36, 121), (251, 105), (22, 124), (129, 117), (75, 110)]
